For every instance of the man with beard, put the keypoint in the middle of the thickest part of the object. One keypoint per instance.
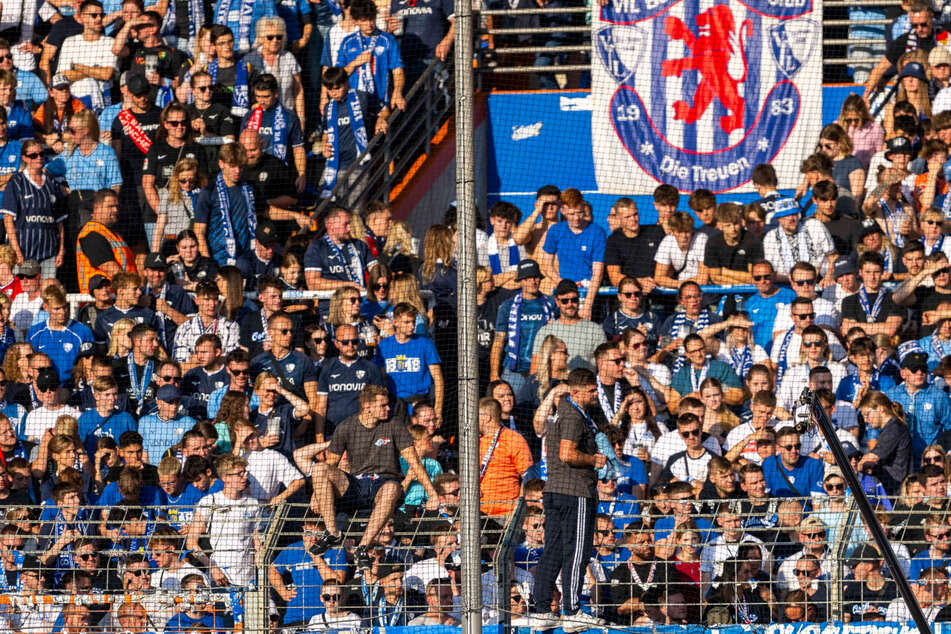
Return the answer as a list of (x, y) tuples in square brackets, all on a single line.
[(642, 570)]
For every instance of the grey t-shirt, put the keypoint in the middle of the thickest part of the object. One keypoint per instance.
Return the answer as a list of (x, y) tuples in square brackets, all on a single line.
[(581, 338), (569, 424), (372, 451)]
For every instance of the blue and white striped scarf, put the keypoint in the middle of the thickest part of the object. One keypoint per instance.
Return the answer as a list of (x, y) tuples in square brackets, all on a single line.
[(782, 363), (680, 321), (515, 317)]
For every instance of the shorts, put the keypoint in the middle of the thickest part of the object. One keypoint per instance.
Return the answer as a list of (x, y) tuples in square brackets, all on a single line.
[(361, 493)]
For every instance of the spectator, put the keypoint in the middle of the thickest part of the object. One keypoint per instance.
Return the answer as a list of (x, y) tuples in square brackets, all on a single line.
[(505, 457), (680, 255), (410, 361), (629, 251), (930, 592), (790, 474), (60, 337), (581, 334), (926, 406), (99, 250), (703, 204), (872, 306), (731, 251), (763, 307), (688, 379), (532, 234), (206, 298), (369, 67), (632, 313), (502, 252)]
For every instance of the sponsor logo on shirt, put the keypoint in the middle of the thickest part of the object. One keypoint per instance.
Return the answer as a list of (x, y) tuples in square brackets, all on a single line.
[(382, 442)]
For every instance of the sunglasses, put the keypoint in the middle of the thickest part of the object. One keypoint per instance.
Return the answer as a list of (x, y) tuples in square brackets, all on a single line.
[(794, 447), (318, 340), (920, 25), (943, 271), (271, 38), (242, 372), (140, 572), (172, 379), (943, 535), (632, 294), (809, 281), (93, 15), (176, 123), (804, 315), (805, 573), (637, 345), (851, 121), (33, 155), (933, 459), (931, 222), (695, 350), (760, 278), (812, 344), (690, 433), (353, 300), (617, 361), (348, 342), (88, 556), (329, 597), (381, 286), (8, 56), (835, 487), (568, 300), (201, 88), (603, 532), (517, 598), (46, 389), (828, 146), (283, 331)]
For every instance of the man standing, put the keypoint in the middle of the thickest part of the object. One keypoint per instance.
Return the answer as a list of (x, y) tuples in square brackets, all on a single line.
[(240, 16), (574, 250), (226, 211), (87, 60), (630, 250), (279, 128), (794, 241), (762, 306), (369, 55), (570, 500), (135, 373), (207, 320), (927, 408), (871, 308), (731, 251), (293, 369), (411, 362), (99, 250), (504, 459), (336, 259), (517, 325), (344, 377), (579, 333)]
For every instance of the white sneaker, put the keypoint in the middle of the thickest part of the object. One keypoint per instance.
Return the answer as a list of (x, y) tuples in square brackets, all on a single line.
[(540, 622), (580, 621)]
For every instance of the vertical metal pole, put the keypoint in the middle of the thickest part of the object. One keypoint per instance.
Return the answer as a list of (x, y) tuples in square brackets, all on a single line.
[(468, 358)]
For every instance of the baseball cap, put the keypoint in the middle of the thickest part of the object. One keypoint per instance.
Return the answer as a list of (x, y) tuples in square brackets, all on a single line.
[(168, 393), (939, 55), (811, 522), (527, 268), (898, 145), (785, 207), (266, 232), (912, 355), (59, 81), (865, 552), (155, 261), (47, 378), (843, 266), (385, 570), (29, 268), (915, 361), (98, 281), (913, 69), (137, 84)]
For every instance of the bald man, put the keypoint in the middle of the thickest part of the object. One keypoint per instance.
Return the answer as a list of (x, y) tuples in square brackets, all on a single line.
[(271, 177)]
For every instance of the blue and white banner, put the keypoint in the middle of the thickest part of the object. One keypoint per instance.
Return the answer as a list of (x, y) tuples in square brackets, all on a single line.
[(695, 93)]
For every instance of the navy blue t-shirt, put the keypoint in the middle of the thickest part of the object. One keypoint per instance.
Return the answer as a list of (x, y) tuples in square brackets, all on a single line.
[(339, 263), (296, 368), (342, 384), (199, 384)]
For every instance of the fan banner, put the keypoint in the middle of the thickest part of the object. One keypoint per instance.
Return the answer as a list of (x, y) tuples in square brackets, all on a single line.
[(695, 93)]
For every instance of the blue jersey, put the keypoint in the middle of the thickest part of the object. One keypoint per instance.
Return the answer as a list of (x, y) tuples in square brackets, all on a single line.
[(99, 170), (10, 157), (30, 89), (848, 386), (293, 12), (341, 384), (181, 623), (665, 526), (407, 364), (623, 509), (102, 329), (208, 212), (294, 366), (108, 116), (762, 312), (530, 321), (17, 415), (927, 414), (307, 579), (158, 435), (199, 384), (260, 9), (19, 122), (347, 263), (62, 346), (373, 77), (36, 211), (93, 426), (292, 137), (923, 560), (181, 507), (576, 252), (617, 322), (214, 401), (281, 418), (800, 482)]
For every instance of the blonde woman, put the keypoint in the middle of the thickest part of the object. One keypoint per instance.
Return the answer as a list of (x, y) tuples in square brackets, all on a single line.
[(203, 52), (119, 343), (9, 283), (847, 171), (405, 288), (740, 351), (438, 272), (176, 209), (270, 55), (894, 450), (552, 368), (399, 254), (913, 79), (865, 133), (345, 310), (16, 363)]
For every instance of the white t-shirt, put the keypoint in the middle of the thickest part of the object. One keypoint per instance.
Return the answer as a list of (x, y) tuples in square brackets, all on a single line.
[(819, 243), (230, 526), (717, 551), (738, 434), (76, 50), (343, 621), (687, 469), (797, 377), (671, 442), (688, 264), (42, 418), (827, 314), (267, 471), (793, 348), (419, 575)]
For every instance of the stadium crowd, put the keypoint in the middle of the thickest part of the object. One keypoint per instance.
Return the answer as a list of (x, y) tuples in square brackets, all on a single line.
[(158, 157)]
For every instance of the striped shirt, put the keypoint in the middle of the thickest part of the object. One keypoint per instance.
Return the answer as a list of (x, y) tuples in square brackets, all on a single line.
[(35, 213), (188, 333)]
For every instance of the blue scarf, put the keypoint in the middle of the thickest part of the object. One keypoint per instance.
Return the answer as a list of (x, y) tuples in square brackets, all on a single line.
[(936, 247), (515, 317), (224, 206), (245, 17), (372, 76), (871, 312), (941, 349), (782, 363), (680, 322), (741, 362), (5, 586), (495, 262), (139, 387), (893, 220), (332, 167), (347, 260), (239, 102), (279, 133)]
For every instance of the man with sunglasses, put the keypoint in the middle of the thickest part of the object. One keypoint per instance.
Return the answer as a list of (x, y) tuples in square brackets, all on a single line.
[(937, 554), (789, 473), (87, 59), (798, 240), (342, 379), (632, 313), (762, 307), (294, 370), (869, 592), (238, 368), (926, 406), (581, 335), (255, 337), (212, 122), (920, 36), (50, 408), (871, 308), (924, 290), (205, 617), (686, 381), (813, 541)]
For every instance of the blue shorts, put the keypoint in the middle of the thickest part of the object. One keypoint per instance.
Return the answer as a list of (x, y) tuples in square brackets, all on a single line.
[(361, 492)]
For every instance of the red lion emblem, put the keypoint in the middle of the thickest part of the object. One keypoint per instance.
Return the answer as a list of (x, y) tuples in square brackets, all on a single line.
[(712, 49)]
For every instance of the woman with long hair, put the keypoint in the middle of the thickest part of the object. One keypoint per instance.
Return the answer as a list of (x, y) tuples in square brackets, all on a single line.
[(235, 406), (865, 132), (405, 288), (188, 265), (378, 293), (913, 80), (16, 363), (438, 272), (231, 286), (636, 418), (399, 254), (58, 452), (292, 276), (552, 367), (345, 310), (893, 453), (937, 455), (847, 171), (653, 378), (717, 420), (119, 343), (176, 211)]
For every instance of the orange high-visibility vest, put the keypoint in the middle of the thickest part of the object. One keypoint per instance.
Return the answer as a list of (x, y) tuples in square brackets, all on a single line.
[(121, 253)]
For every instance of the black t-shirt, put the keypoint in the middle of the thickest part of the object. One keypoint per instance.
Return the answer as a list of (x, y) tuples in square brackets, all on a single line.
[(845, 232), (372, 451), (224, 89), (96, 247), (626, 586), (852, 308), (132, 158), (720, 255), (910, 523), (166, 60), (860, 599), (218, 119), (180, 8), (899, 46), (635, 255), (162, 157), (270, 176), (569, 424), (67, 27)]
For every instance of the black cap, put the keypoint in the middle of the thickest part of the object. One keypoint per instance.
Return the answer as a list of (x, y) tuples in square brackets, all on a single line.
[(386, 569), (266, 232), (137, 84), (98, 281), (527, 268), (865, 552), (915, 361), (155, 261), (47, 378), (898, 144), (564, 287), (843, 266), (868, 228)]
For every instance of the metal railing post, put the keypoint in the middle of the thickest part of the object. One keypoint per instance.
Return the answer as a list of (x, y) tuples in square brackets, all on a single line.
[(504, 563)]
